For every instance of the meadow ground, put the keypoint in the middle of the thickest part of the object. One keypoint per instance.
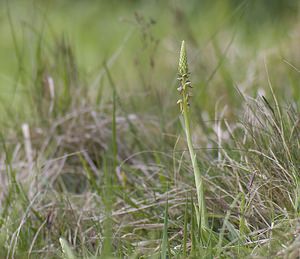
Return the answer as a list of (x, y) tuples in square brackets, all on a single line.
[(94, 158)]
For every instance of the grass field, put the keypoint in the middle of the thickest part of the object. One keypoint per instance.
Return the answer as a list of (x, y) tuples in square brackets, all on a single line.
[(97, 159)]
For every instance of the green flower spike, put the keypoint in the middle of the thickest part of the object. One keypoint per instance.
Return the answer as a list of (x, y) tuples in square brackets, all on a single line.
[(183, 66), (185, 83)]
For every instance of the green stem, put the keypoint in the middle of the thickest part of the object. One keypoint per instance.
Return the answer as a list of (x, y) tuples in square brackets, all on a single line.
[(202, 220)]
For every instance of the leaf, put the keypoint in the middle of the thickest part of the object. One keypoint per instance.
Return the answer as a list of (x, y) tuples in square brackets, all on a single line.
[(66, 249)]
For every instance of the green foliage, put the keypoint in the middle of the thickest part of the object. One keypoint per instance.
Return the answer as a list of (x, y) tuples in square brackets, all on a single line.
[(67, 251)]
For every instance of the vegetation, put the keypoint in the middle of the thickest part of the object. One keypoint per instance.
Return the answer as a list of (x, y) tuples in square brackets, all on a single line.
[(98, 162)]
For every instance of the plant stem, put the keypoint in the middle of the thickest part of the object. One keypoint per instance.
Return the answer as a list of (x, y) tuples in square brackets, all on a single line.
[(202, 218)]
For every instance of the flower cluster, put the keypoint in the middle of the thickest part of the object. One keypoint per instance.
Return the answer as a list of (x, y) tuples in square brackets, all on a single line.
[(183, 77)]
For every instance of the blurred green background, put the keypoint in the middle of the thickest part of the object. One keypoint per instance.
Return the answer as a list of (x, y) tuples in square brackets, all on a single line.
[(138, 39)]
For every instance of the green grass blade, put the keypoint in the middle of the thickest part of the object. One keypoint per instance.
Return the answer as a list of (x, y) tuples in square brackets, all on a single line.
[(165, 240), (66, 249)]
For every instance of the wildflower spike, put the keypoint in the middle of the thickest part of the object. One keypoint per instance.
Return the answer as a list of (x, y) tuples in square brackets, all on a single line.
[(183, 66), (183, 74)]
